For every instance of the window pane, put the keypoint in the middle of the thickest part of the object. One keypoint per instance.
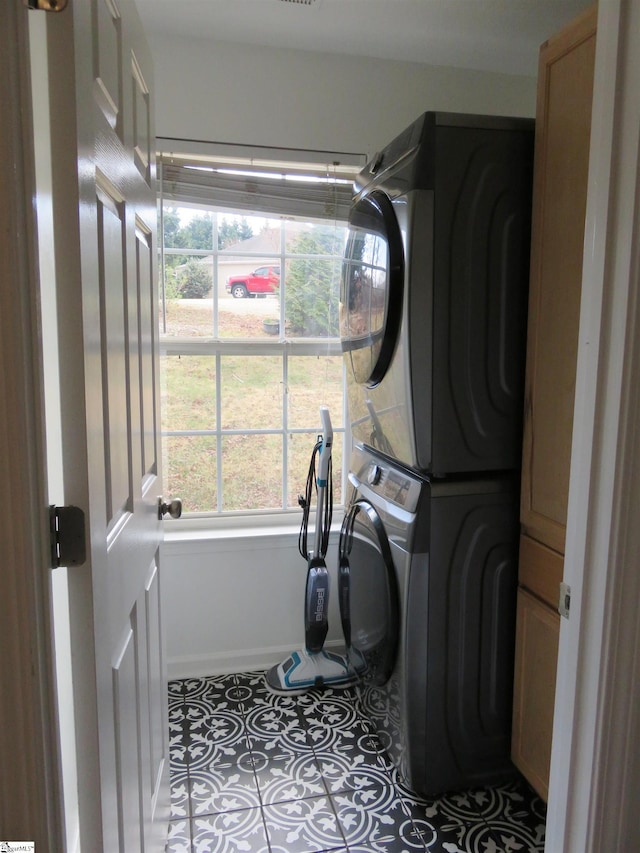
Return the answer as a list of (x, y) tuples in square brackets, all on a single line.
[(186, 303), (249, 294), (249, 234), (300, 448), (190, 471), (231, 278), (337, 456), (188, 392), (193, 277), (314, 381), (317, 237), (251, 472), (251, 388), (246, 278), (187, 318), (187, 227), (312, 295)]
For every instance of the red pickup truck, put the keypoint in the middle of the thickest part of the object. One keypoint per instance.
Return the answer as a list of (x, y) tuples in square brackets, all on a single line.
[(258, 283)]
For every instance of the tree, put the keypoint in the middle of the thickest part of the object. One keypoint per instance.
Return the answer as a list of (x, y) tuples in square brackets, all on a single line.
[(195, 280), (233, 232), (313, 284), (174, 236), (199, 232)]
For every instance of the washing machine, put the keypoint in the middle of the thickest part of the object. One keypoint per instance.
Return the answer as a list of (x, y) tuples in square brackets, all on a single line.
[(434, 294), (427, 578)]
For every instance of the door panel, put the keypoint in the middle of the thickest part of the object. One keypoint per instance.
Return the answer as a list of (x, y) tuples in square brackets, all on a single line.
[(537, 636), (141, 120), (113, 331), (108, 59), (560, 195), (125, 678), (122, 745), (146, 350), (156, 679)]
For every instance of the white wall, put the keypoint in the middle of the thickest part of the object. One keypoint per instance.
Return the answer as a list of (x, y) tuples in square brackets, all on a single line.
[(236, 602), (220, 92)]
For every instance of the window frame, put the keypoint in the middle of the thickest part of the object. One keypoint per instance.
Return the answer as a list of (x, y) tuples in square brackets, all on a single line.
[(217, 347)]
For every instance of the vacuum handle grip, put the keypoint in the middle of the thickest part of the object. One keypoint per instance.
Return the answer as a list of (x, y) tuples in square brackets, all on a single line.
[(325, 417), (327, 442)]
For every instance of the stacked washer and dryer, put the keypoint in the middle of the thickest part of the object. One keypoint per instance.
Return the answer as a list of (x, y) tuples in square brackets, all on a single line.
[(433, 328)]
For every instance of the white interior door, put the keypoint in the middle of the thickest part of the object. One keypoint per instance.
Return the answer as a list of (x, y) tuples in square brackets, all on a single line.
[(105, 221)]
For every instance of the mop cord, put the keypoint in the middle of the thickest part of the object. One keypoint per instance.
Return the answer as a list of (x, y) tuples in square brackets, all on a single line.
[(326, 511)]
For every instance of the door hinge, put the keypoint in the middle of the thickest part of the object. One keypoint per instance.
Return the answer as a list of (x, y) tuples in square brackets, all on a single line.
[(46, 5), (564, 603), (68, 542)]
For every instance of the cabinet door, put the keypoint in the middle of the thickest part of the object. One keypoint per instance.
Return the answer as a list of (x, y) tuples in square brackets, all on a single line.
[(537, 634), (540, 570), (563, 121)]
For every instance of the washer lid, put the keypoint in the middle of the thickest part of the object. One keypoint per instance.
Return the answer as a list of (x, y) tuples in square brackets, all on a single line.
[(372, 286)]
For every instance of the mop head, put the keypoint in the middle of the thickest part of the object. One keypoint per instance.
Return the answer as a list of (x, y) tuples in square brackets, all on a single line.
[(303, 671)]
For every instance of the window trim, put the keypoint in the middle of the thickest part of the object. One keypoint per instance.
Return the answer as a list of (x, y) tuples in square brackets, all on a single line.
[(285, 517)]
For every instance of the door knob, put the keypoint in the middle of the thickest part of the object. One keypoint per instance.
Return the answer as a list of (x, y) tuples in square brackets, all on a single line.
[(173, 508)]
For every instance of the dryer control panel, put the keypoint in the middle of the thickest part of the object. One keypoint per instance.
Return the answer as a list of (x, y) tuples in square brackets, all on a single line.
[(396, 487), (381, 481)]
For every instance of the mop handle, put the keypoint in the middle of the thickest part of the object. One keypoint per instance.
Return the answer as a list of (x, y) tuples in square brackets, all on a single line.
[(325, 452), (323, 474)]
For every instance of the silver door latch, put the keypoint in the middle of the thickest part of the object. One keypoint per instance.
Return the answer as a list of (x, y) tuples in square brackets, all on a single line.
[(564, 602)]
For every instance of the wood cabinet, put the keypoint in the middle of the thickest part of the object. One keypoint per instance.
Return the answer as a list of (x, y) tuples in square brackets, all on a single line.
[(563, 124), (536, 658)]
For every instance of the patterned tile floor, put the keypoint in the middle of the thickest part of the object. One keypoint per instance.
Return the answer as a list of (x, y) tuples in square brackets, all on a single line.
[(259, 773)]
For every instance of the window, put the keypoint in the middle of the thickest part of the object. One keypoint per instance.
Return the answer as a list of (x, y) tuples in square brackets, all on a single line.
[(249, 335)]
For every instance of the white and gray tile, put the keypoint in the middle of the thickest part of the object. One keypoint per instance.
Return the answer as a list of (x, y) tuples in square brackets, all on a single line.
[(257, 772)]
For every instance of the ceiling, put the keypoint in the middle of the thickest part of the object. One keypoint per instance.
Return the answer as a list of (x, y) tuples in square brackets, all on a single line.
[(487, 35)]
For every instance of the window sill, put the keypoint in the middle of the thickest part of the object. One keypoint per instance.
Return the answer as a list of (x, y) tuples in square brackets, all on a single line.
[(198, 528)]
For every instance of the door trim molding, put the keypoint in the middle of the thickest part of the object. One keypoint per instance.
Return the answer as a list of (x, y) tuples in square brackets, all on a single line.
[(595, 768), (30, 798)]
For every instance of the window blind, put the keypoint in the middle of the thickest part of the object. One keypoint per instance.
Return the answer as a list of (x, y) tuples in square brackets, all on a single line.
[(280, 189)]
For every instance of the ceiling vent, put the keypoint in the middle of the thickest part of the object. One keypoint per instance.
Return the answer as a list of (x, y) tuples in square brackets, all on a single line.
[(303, 2)]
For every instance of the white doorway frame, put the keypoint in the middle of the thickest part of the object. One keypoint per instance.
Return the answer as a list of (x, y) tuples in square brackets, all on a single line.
[(595, 773), (30, 797), (595, 766)]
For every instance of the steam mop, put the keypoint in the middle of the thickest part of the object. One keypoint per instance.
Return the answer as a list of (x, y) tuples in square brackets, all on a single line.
[(314, 666)]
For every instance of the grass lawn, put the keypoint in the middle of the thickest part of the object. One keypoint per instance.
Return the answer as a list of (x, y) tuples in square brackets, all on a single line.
[(252, 397)]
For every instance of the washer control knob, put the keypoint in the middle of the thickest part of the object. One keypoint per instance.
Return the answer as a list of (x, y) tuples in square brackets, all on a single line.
[(374, 475)]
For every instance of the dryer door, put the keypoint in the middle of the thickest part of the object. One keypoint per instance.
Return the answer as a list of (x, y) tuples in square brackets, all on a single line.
[(369, 602), (372, 285)]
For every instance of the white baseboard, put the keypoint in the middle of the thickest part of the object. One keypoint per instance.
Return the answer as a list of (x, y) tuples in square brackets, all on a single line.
[(240, 660)]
